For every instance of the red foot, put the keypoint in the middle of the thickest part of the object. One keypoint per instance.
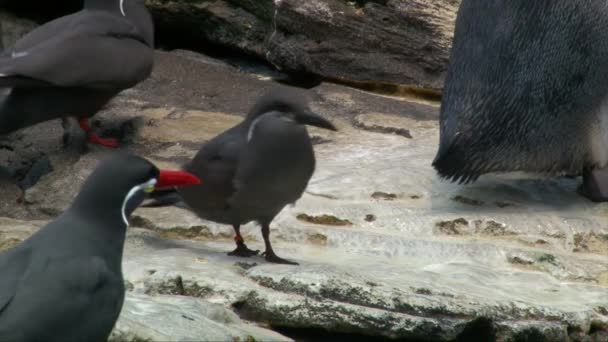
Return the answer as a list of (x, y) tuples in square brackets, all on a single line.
[(94, 139), (107, 142), (84, 124)]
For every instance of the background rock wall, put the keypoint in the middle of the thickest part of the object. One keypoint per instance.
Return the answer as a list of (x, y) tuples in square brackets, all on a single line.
[(395, 42)]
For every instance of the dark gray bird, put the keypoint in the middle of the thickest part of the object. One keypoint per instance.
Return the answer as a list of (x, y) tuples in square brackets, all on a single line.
[(74, 65), (526, 90), (257, 167), (65, 282)]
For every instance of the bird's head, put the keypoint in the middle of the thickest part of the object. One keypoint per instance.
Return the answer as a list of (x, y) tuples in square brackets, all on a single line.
[(291, 104), (133, 10), (120, 183)]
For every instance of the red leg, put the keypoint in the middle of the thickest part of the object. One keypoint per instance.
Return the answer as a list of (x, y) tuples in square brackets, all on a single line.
[(93, 138), (241, 249)]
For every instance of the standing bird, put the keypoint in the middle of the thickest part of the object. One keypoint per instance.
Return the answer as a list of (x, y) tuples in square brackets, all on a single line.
[(74, 65), (526, 90), (65, 282), (254, 169)]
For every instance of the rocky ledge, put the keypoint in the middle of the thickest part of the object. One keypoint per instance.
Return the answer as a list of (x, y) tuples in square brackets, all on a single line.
[(386, 45), (386, 249)]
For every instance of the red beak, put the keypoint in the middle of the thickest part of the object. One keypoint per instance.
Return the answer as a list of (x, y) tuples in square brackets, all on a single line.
[(170, 179)]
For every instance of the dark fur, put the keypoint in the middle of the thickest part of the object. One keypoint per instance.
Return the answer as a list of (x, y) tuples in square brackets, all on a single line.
[(524, 86)]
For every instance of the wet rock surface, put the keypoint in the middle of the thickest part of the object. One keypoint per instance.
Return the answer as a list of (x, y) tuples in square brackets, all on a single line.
[(386, 249)]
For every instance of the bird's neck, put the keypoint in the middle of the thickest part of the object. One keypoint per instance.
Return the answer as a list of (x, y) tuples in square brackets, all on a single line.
[(103, 213), (105, 235)]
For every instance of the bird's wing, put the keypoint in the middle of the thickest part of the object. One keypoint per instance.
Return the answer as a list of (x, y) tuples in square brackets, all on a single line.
[(59, 292), (267, 163), (93, 49), (216, 163), (45, 32), (13, 264)]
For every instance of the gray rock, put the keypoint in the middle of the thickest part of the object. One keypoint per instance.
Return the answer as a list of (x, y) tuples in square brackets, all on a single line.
[(378, 44), (510, 256), (405, 42), (175, 318)]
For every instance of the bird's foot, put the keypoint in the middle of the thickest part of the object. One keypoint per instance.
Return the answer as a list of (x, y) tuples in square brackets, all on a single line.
[(242, 251), (271, 257), (595, 184), (94, 138), (107, 142)]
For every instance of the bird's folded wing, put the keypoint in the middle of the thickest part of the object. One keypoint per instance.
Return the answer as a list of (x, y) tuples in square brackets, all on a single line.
[(105, 51), (256, 172), (52, 287), (13, 264), (220, 159), (265, 164)]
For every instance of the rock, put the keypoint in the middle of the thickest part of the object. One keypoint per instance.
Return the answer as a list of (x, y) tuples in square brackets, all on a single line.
[(405, 42), (504, 258), (44, 195), (12, 232), (12, 28), (177, 318), (396, 45), (363, 296)]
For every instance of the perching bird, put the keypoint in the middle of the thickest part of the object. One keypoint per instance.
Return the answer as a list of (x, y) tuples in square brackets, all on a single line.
[(65, 282), (256, 168), (74, 65), (526, 90)]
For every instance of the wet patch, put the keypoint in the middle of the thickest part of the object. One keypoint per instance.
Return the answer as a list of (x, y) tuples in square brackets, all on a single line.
[(27, 172), (547, 258), (319, 140), (492, 228), (452, 227), (383, 129), (39, 168), (602, 279), (423, 291), (591, 243), (331, 197), (520, 260), (177, 286), (328, 220), (191, 233), (467, 200), (141, 222), (384, 196), (317, 239), (245, 265), (178, 233)]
